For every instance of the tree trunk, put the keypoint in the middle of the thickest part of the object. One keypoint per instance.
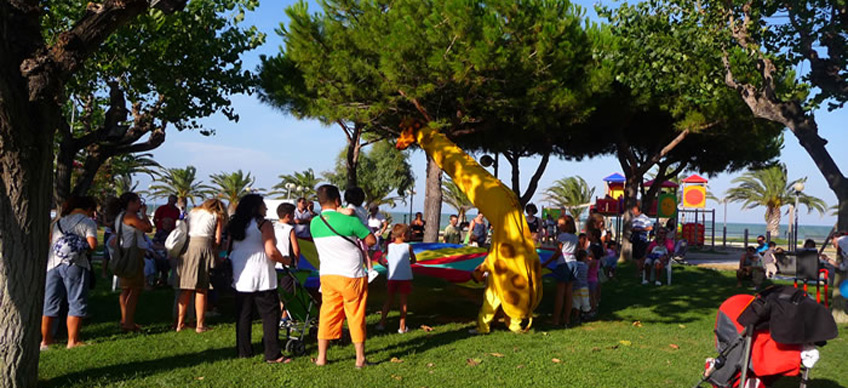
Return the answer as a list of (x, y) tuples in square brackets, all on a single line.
[(773, 221), (26, 167), (354, 147), (432, 201)]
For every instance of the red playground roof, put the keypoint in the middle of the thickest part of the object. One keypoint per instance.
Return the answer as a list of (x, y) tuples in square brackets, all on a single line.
[(695, 178)]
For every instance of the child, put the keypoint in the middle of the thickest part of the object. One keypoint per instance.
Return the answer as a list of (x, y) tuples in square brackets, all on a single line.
[(354, 197), (564, 271), (398, 260), (611, 260), (581, 303), (596, 253), (287, 245)]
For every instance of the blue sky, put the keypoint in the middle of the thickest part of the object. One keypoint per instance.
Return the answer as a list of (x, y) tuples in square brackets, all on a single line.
[(268, 143)]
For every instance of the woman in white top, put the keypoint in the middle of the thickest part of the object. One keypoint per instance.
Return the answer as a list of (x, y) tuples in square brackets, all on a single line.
[(68, 277), (565, 270), (132, 223), (205, 224), (254, 252)]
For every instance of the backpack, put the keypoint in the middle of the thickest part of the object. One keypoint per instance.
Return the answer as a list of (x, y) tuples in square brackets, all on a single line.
[(125, 262), (70, 248), (177, 240)]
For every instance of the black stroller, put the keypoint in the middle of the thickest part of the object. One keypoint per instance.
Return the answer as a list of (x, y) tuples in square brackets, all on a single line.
[(762, 338), (301, 306)]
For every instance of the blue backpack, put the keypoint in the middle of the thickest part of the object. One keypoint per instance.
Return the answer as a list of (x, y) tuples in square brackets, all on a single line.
[(70, 247)]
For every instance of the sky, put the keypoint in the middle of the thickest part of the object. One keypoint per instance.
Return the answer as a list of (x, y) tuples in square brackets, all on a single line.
[(268, 143)]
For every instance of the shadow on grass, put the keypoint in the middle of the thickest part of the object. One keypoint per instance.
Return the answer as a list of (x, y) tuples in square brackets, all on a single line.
[(111, 374), (789, 382)]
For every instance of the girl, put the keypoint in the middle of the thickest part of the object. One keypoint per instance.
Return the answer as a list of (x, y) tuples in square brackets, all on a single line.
[(132, 224), (565, 270), (399, 259)]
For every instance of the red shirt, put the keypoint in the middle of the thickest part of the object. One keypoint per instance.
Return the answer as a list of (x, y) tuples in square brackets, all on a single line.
[(165, 211)]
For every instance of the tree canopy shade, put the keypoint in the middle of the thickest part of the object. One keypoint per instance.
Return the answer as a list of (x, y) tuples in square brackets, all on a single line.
[(384, 174), (161, 70), (513, 74), (770, 187)]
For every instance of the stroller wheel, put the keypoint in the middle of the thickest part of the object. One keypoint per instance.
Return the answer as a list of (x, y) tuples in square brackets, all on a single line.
[(295, 347)]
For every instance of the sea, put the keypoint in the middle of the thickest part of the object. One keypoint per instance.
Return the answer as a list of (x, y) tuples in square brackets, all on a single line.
[(735, 230)]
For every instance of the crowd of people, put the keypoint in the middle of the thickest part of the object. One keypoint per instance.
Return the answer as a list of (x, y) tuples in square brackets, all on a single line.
[(345, 238)]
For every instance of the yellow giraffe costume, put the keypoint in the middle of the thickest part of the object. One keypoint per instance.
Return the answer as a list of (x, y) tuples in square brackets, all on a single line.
[(515, 281)]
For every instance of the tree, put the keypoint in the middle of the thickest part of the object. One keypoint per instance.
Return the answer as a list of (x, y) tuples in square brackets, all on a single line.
[(232, 186), (769, 187), (384, 174), (115, 177), (572, 193), (181, 182), (161, 71), (304, 184), (456, 199)]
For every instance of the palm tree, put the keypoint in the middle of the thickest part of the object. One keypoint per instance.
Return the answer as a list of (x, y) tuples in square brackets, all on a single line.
[(455, 198), (304, 179), (232, 186), (572, 193), (768, 187), (181, 182)]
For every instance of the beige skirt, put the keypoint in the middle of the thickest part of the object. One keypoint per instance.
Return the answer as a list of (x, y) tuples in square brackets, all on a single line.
[(194, 265)]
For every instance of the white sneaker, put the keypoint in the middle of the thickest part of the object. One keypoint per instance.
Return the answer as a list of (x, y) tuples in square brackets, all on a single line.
[(657, 283), (644, 282), (404, 330)]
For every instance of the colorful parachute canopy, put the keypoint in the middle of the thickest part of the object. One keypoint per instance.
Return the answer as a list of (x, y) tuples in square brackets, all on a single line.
[(450, 262)]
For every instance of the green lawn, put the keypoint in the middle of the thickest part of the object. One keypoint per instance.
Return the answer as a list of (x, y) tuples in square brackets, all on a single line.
[(667, 348)]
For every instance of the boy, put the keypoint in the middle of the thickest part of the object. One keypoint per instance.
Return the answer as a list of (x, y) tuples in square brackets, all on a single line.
[(580, 296), (287, 245), (399, 259), (769, 260), (452, 235)]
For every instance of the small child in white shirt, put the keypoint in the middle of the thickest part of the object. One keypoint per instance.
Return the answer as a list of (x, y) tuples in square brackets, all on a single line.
[(399, 260), (287, 245)]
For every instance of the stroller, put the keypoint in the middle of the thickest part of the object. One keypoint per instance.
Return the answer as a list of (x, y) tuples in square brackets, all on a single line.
[(762, 338), (301, 307)]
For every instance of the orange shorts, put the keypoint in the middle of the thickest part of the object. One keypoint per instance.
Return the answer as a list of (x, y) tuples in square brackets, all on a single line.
[(342, 297)]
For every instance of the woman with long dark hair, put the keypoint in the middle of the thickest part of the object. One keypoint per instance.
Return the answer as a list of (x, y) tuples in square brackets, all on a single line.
[(253, 255), (132, 224), (68, 275)]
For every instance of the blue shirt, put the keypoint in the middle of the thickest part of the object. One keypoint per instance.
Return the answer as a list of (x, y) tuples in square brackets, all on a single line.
[(582, 280)]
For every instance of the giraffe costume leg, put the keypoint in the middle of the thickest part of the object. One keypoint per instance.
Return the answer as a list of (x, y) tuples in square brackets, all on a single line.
[(514, 267)]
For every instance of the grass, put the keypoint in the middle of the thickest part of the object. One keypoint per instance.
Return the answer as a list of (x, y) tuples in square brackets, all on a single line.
[(667, 347)]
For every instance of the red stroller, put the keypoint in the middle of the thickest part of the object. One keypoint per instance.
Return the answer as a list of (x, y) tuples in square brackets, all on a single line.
[(762, 338)]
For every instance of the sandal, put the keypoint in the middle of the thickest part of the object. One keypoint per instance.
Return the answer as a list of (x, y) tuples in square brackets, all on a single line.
[(202, 329)]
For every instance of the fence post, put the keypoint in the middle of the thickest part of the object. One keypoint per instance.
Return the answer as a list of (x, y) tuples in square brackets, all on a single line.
[(712, 226), (745, 240), (768, 236), (724, 236)]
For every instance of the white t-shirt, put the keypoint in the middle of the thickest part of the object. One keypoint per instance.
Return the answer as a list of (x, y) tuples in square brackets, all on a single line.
[(339, 255), (78, 224), (375, 222), (282, 232), (569, 243), (252, 270), (360, 213), (398, 262), (202, 223)]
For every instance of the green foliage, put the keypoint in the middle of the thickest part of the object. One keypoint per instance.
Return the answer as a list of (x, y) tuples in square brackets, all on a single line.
[(384, 173), (116, 175), (517, 71), (572, 193), (181, 182), (304, 185), (191, 60), (455, 198), (768, 187), (232, 186)]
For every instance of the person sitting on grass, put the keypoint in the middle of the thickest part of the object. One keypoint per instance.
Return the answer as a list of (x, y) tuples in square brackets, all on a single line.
[(581, 305), (659, 253), (750, 267), (399, 259)]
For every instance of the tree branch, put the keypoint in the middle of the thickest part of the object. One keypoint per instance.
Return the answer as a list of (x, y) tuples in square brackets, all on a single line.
[(534, 180)]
